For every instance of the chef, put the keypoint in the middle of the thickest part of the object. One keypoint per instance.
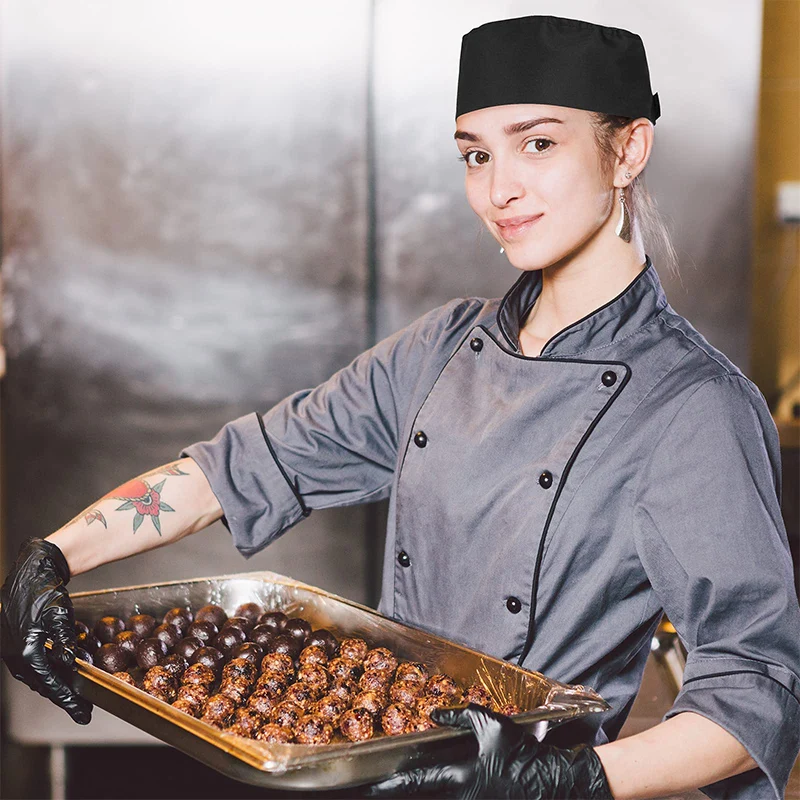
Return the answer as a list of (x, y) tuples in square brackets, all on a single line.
[(563, 464)]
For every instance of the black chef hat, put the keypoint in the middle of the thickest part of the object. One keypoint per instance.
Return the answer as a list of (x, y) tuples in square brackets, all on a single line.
[(555, 61)]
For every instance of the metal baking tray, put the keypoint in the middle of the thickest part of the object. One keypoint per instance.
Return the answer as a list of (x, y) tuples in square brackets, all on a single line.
[(545, 702)]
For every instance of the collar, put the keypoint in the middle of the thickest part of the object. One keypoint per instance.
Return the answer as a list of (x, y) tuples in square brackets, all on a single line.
[(635, 306)]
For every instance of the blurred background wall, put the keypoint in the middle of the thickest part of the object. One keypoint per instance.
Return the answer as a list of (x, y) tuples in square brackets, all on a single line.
[(207, 206)]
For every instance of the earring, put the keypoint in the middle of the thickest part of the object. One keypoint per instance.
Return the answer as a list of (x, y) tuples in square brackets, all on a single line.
[(623, 229), (502, 250)]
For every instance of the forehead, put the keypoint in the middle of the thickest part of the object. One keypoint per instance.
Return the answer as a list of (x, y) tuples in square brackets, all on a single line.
[(494, 119)]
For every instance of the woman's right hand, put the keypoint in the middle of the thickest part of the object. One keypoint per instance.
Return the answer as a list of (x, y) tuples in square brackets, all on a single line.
[(37, 607)]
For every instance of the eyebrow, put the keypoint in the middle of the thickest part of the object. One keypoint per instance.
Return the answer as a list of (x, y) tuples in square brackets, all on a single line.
[(509, 130)]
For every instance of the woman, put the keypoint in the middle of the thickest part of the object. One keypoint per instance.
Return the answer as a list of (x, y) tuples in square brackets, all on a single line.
[(563, 464)]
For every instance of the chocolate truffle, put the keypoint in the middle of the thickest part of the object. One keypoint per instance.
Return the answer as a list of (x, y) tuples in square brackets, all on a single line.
[(228, 638), (249, 651), (274, 620), (199, 674), (168, 634), (209, 656), (195, 693), (175, 664), (128, 641), (88, 642), (509, 709), (276, 734), (313, 654), (442, 686), (427, 703), (323, 638), (356, 725), (160, 680), (237, 622), (125, 677), (396, 719), (250, 611), (284, 644), (273, 682), (262, 702), (213, 614), (188, 646), (375, 680), (380, 658), (80, 627), (405, 693), (374, 702), (204, 630), (164, 697), (344, 668), (111, 657), (262, 635), (286, 714), (479, 695), (106, 628), (141, 624), (301, 694), (314, 675), (354, 649), (218, 710), (240, 667), (248, 722), (421, 723), (344, 688), (84, 655), (330, 708), (149, 652), (184, 705), (313, 729), (412, 671), (180, 617), (299, 629), (236, 689), (278, 662)]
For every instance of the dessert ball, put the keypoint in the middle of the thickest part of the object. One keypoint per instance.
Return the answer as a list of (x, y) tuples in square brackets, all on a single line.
[(88, 642), (186, 707), (164, 697), (228, 638), (299, 629), (412, 671), (218, 710), (240, 668), (313, 729), (356, 725), (353, 649), (250, 611), (128, 641), (509, 709), (479, 695), (106, 628), (236, 689), (188, 646), (442, 686), (209, 656), (325, 639), (181, 618), (142, 625), (248, 722), (125, 677), (330, 708), (405, 693), (315, 676), (237, 622), (301, 694), (195, 693), (262, 635), (286, 714), (374, 702), (344, 668), (262, 703), (176, 665), (168, 634), (375, 680), (313, 654), (213, 614), (421, 723), (278, 662), (249, 651), (275, 620), (84, 655), (344, 688), (274, 683), (161, 680), (380, 658), (149, 652), (202, 629), (199, 674), (396, 719), (275, 734), (111, 657), (80, 627), (427, 703)]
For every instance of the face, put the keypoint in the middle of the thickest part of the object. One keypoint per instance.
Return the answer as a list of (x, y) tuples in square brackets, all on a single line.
[(534, 177)]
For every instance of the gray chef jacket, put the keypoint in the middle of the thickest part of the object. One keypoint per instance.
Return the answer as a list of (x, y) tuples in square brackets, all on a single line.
[(547, 510)]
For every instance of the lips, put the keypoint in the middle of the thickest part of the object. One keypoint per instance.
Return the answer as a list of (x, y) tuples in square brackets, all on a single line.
[(514, 227)]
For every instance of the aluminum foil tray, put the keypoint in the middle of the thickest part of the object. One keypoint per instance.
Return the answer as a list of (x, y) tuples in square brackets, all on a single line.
[(544, 702)]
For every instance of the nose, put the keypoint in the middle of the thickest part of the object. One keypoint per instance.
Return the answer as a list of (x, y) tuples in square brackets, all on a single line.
[(506, 186)]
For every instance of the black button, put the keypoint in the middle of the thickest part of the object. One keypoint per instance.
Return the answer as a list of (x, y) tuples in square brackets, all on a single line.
[(513, 605), (609, 378), (476, 344), (546, 480), (420, 439), (403, 560)]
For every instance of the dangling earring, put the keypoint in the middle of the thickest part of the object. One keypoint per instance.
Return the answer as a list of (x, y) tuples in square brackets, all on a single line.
[(624, 225)]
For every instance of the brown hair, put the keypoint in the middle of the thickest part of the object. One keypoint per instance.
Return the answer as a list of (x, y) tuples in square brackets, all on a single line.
[(641, 205)]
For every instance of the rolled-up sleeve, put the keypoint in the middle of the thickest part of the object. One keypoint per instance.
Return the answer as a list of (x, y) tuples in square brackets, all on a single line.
[(710, 535), (335, 445)]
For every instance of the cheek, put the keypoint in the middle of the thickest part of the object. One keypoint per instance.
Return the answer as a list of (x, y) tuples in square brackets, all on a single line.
[(572, 191)]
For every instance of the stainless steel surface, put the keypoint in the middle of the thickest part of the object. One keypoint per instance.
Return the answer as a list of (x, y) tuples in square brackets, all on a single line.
[(544, 701)]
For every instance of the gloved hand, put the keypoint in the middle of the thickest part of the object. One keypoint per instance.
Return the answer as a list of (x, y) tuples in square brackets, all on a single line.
[(36, 606), (510, 763)]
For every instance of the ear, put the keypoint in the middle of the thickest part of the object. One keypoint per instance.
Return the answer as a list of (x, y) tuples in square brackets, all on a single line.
[(635, 146)]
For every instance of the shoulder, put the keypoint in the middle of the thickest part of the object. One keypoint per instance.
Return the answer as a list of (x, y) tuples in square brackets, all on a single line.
[(452, 320)]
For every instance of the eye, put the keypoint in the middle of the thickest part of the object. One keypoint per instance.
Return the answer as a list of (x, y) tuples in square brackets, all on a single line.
[(536, 148), (475, 158)]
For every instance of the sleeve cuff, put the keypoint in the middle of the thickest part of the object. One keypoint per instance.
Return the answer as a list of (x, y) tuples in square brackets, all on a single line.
[(759, 705), (258, 502)]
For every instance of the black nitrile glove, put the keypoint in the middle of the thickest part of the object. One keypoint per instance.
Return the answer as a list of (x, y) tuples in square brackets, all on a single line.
[(36, 607), (510, 763)]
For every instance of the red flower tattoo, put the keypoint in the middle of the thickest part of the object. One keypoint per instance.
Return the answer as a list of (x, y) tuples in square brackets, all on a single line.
[(145, 499)]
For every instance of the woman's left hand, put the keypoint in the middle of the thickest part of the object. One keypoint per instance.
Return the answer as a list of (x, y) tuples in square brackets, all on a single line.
[(510, 763)]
